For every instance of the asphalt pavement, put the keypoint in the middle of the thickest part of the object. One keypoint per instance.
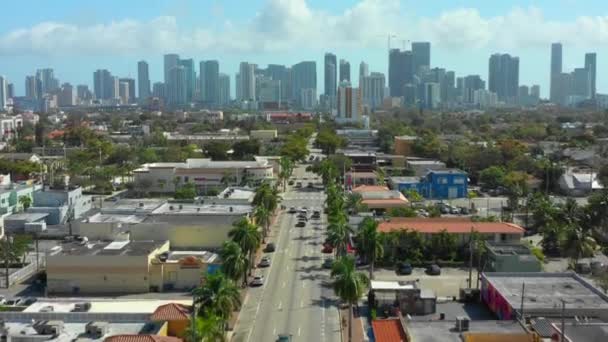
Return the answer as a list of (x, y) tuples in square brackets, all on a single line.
[(295, 298)]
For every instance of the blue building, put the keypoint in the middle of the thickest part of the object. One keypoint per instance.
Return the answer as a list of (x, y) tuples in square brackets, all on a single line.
[(435, 184)]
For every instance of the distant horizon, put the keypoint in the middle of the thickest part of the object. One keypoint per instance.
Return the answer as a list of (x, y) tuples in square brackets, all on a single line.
[(76, 39)]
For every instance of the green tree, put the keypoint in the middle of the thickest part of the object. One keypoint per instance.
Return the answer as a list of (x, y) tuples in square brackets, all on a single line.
[(218, 296), (246, 149), (329, 141), (25, 201), (247, 236), (206, 329), (349, 285), (294, 147), (412, 195), (262, 217), (443, 245), (492, 177), (286, 171), (235, 262), (185, 192), (217, 150), (354, 203), (370, 243)]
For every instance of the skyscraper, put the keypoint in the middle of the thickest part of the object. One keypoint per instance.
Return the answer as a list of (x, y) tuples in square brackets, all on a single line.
[(10, 90), (170, 61), (304, 80), (131, 89), (422, 56), (503, 77), (3, 96), (372, 89), (581, 83), (556, 70), (103, 85), (363, 70), (224, 89), (210, 73), (344, 71), (178, 90), (48, 80), (123, 92), (159, 90), (535, 92), (247, 81), (188, 65), (470, 84), (31, 87), (83, 93), (400, 71), (143, 80), (591, 66), (67, 96), (348, 102), (279, 73), (330, 75)]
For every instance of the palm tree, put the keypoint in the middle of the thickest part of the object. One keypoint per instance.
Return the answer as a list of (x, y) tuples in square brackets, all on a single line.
[(370, 243), (267, 196), (25, 201), (262, 217), (218, 296), (338, 234), (354, 203), (206, 329), (247, 236), (349, 285), (286, 165), (235, 262)]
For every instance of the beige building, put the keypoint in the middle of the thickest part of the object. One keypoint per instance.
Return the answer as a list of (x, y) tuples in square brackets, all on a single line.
[(204, 173), (403, 145), (185, 225), (263, 134), (102, 267)]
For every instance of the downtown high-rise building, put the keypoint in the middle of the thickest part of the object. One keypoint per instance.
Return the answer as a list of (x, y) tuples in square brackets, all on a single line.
[(47, 80), (177, 89), (330, 74), (422, 56), (10, 90), (349, 102), (556, 71), (159, 90), (344, 71), (503, 77), (170, 61), (580, 84), (400, 71), (304, 82), (67, 96), (105, 86), (33, 87), (223, 89), (279, 72), (83, 93), (3, 96), (143, 81), (247, 81), (591, 66), (471, 84), (188, 65), (123, 92), (131, 89), (363, 70), (209, 82), (372, 89)]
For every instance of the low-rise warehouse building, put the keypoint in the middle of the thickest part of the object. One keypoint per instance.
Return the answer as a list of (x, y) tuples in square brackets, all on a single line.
[(102, 267), (510, 257), (542, 295)]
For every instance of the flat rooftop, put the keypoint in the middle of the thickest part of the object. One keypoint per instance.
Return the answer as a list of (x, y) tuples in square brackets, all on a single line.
[(205, 256), (391, 285), (547, 290), (237, 193), (73, 331), (115, 218), (202, 209), (130, 205), (508, 248), (131, 248), (28, 217), (105, 305), (444, 331)]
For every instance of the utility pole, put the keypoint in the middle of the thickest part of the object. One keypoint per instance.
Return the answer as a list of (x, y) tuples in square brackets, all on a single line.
[(471, 258), (563, 338), (523, 291)]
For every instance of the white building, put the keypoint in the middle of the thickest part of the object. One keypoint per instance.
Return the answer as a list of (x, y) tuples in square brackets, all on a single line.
[(485, 98), (9, 125), (432, 95), (124, 92), (204, 173), (2, 93), (309, 98), (372, 89)]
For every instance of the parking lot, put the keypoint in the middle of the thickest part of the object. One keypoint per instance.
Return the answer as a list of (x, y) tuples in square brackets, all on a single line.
[(447, 284)]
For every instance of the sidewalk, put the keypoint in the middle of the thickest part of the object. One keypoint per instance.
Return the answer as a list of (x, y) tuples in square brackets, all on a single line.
[(358, 333)]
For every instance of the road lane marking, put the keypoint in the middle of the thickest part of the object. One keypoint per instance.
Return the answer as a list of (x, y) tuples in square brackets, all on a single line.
[(274, 331), (280, 304), (299, 331), (303, 284), (302, 303), (283, 286)]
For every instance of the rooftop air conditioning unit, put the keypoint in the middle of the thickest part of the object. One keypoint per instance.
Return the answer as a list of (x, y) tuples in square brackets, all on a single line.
[(97, 329), (48, 327), (462, 324)]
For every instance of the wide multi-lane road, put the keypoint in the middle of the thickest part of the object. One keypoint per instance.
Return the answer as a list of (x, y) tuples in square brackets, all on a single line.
[(295, 298)]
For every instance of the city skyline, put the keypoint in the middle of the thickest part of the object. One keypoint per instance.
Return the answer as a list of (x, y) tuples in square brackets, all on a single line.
[(349, 29)]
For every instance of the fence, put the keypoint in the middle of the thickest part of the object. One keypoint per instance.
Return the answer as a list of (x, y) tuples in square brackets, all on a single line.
[(24, 272)]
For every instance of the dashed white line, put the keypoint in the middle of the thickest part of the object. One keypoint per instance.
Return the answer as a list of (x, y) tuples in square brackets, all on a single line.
[(283, 286), (280, 305), (299, 331), (302, 303)]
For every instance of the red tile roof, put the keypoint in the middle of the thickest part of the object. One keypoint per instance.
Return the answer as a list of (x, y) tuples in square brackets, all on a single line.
[(142, 338), (388, 330), (451, 225), (171, 312)]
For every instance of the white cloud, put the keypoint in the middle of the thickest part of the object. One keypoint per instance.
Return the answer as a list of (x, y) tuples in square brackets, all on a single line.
[(286, 25)]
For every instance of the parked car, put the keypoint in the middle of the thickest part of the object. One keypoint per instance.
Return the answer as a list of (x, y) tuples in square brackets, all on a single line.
[(310, 185), (302, 217), (433, 269), (25, 301), (290, 182), (284, 338), (270, 247), (2, 299), (301, 224), (292, 210), (264, 262), (404, 268), (328, 263), (257, 281), (327, 248), (298, 184)]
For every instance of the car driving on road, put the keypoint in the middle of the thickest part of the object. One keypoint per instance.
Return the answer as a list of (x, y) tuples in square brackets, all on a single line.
[(257, 281)]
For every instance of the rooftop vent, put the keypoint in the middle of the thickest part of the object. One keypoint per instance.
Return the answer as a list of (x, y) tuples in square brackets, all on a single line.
[(97, 329), (48, 327)]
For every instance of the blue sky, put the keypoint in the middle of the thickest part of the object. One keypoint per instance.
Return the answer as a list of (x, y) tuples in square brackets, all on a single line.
[(77, 37)]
